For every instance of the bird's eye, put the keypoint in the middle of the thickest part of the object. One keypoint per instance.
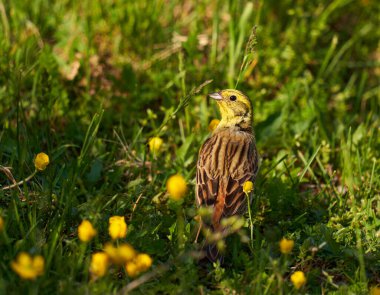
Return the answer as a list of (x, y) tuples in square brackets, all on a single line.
[(233, 97)]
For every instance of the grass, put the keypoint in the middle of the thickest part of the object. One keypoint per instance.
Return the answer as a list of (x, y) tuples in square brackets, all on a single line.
[(89, 82)]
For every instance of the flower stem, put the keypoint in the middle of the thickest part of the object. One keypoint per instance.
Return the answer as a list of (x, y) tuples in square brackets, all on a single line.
[(250, 220), (180, 229)]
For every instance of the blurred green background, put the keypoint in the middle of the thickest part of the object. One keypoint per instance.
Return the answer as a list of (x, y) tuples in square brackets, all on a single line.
[(89, 82)]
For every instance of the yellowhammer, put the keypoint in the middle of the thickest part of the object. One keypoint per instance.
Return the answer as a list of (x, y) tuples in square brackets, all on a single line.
[(226, 161)]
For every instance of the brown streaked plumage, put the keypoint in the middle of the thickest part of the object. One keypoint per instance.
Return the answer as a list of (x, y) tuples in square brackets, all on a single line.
[(226, 160)]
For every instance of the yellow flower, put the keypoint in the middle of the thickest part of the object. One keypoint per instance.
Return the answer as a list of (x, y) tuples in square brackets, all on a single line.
[(99, 264), (176, 186), (28, 267), (41, 161), (375, 290), (155, 144), (286, 246), (132, 269), (143, 261), (1, 223), (248, 187), (126, 252), (121, 254), (86, 231), (117, 227), (112, 252), (298, 279), (213, 124)]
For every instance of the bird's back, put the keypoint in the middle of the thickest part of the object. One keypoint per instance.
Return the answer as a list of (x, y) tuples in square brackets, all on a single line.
[(226, 160)]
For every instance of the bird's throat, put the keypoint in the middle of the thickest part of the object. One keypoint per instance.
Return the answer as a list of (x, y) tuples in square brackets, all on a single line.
[(243, 122)]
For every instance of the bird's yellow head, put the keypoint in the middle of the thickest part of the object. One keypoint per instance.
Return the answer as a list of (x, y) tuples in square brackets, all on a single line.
[(235, 108)]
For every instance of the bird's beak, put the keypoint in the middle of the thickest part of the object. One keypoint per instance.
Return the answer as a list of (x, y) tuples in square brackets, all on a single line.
[(215, 95)]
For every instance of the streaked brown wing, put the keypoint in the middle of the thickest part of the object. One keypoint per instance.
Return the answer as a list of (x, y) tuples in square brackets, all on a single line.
[(226, 161), (246, 169), (207, 185)]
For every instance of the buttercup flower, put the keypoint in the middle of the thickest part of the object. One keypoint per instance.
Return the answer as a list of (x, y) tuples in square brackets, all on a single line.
[(298, 279), (117, 227), (86, 232), (248, 187), (28, 267), (286, 246), (121, 254), (176, 186), (155, 144), (41, 161), (213, 124), (143, 261), (126, 252), (1, 223), (132, 269), (99, 264)]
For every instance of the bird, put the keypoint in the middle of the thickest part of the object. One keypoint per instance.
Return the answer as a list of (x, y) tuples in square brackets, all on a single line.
[(226, 160)]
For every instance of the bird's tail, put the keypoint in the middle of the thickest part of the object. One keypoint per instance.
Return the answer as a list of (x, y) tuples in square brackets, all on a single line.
[(210, 248), (212, 253)]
